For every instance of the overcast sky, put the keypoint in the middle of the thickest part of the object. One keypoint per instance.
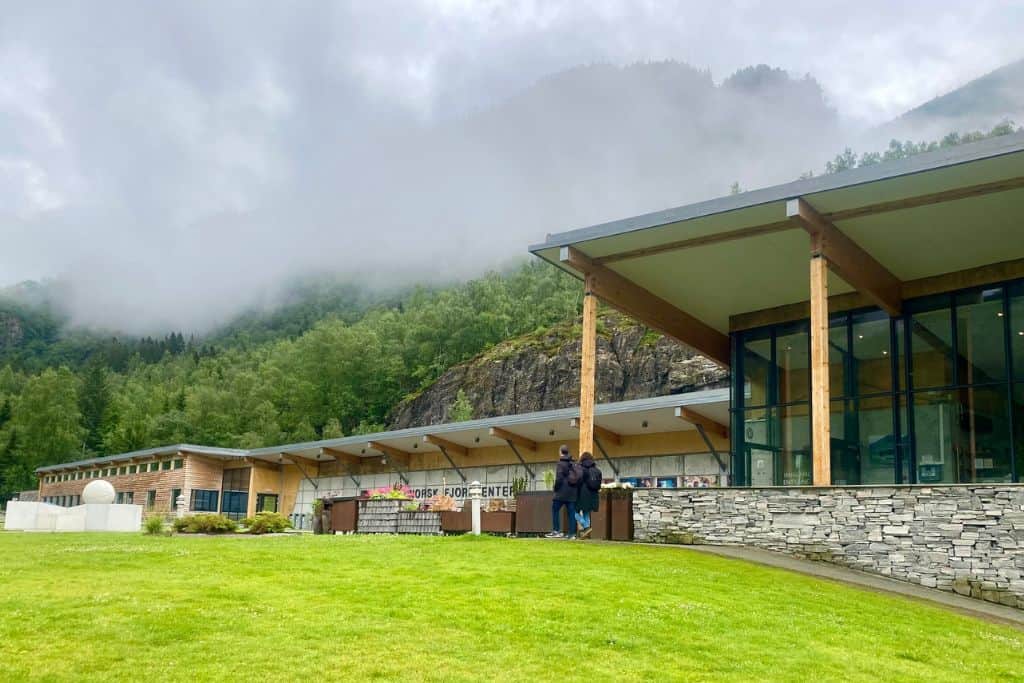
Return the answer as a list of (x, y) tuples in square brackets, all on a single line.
[(174, 160)]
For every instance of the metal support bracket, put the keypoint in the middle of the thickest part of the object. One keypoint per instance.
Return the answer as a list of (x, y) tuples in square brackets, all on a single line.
[(302, 469), (516, 451), (392, 465), (711, 446), (600, 447), (444, 451)]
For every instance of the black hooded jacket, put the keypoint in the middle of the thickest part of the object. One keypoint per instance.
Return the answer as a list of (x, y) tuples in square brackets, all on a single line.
[(588, 497), (564, 491)]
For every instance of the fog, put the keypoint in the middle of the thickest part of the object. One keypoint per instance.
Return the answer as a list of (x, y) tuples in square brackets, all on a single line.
[(171, 164)]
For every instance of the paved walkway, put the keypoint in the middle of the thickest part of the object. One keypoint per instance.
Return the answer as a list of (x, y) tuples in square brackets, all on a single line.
[(971, 606)]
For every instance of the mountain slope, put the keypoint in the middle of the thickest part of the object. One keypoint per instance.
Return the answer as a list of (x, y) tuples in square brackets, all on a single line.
[(540, 371)]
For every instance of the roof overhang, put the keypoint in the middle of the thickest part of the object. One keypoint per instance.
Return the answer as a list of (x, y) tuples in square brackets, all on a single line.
[(949, 211)]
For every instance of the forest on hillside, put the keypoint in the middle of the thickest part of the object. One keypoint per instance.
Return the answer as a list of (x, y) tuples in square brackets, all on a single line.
[(250, 386)]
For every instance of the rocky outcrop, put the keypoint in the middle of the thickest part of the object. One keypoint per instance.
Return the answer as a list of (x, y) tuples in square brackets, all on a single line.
[(541, 372)]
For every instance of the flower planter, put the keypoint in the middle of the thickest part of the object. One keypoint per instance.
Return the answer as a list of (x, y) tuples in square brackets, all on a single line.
[(422, 523), (533, 512), (620, 510), (490, 522), (344, 513), (600, 520), (379, 516)]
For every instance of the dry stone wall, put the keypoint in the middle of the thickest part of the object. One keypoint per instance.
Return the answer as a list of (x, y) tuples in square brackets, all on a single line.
[(967, 539)]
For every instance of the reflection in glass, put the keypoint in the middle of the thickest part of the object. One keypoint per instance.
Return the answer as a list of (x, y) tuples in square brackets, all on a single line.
[(962, 436), (981, 351), (1017, 331), (837, 357), (863, 445), (931, 345), (871, 361), (792, 355), (757, 354), (794, 426)]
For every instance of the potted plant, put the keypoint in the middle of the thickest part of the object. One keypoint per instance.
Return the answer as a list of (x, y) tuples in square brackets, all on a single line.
[(318, 516)]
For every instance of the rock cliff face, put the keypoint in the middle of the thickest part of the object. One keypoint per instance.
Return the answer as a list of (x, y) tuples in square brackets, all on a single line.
[(541, 372)]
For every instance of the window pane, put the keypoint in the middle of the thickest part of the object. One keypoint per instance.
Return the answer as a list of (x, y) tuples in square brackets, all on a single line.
[(871, 360), (1017, 330), (981, 349), (792, 355), (863, 445), (795, 446), (931, 344), (1018, 427), (836, 357), (962, 436), (755, 427), (757, 354)]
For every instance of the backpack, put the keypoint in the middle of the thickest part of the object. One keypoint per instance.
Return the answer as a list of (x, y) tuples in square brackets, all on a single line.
[(575, 474), (594, 478)]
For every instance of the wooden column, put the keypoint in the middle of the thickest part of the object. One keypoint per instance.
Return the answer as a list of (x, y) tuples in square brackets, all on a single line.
[(821, 430), (588, 367)]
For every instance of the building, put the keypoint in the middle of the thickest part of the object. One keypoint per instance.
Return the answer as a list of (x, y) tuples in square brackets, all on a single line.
[(667, 441), (873, 319)]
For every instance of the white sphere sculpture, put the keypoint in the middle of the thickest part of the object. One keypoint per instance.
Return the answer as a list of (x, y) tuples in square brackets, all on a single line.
[(99, 492)]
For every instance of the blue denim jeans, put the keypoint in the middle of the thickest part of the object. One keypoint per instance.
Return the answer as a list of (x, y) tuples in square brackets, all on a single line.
[(556, 521), (583, 517)]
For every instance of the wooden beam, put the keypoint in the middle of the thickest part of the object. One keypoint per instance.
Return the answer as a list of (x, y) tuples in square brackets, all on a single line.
[(859, 212), (449, 446), (979, 276), (849, 261), (821, 436), (647, 308), (588, 366), (712, 426), (399, 456), (506, 435), (600, 432), (308, 462), (342, 456)]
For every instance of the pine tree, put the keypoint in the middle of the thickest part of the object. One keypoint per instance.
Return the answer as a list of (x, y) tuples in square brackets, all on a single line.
[(93, 403), (461, 409)]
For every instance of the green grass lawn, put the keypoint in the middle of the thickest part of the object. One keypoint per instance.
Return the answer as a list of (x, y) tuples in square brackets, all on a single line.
[(119, 607)]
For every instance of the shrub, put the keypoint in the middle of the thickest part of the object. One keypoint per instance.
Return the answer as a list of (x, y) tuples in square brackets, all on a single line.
[(266, 523), (153, 526), (206, 523)]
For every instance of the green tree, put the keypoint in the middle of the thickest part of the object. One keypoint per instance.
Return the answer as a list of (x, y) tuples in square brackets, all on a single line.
[(461, 409), (94, 402), (48, 419)]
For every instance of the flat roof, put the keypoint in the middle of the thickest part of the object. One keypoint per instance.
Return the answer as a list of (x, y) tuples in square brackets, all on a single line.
[(211, 451), (640, 416), (941, 212)]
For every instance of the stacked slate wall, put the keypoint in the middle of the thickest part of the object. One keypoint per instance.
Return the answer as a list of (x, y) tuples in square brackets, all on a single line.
[(968, 539)]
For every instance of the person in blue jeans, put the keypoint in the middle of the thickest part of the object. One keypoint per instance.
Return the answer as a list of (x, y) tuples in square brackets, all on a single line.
[(566, 490)]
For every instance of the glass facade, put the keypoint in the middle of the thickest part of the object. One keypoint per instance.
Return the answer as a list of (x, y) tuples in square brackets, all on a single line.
[(934, 396)]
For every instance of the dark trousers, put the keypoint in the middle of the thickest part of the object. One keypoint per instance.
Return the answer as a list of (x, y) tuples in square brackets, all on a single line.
[(556, 509)]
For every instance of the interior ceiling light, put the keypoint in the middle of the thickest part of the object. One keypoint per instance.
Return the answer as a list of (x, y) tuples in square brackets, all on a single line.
[(999, 314)]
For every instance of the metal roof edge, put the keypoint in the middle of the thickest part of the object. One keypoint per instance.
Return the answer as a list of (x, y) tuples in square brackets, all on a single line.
[(695, 398), (145, 452), (929, 161)]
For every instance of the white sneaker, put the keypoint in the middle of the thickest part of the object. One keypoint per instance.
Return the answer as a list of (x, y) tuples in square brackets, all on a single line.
[(552, 534)]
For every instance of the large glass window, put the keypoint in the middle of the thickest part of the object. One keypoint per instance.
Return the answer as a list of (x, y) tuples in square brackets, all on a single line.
[(871, 362), (981, 351), (931, 349), (793, 360), (924, 398), (1017, 330), (204, 500)]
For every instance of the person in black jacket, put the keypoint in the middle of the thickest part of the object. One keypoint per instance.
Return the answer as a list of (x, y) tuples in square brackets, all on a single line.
[(590, 493), (566, 490)]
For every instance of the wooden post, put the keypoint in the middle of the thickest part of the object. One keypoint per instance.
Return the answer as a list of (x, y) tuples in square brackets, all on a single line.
[(588, 367), (821, 429)]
